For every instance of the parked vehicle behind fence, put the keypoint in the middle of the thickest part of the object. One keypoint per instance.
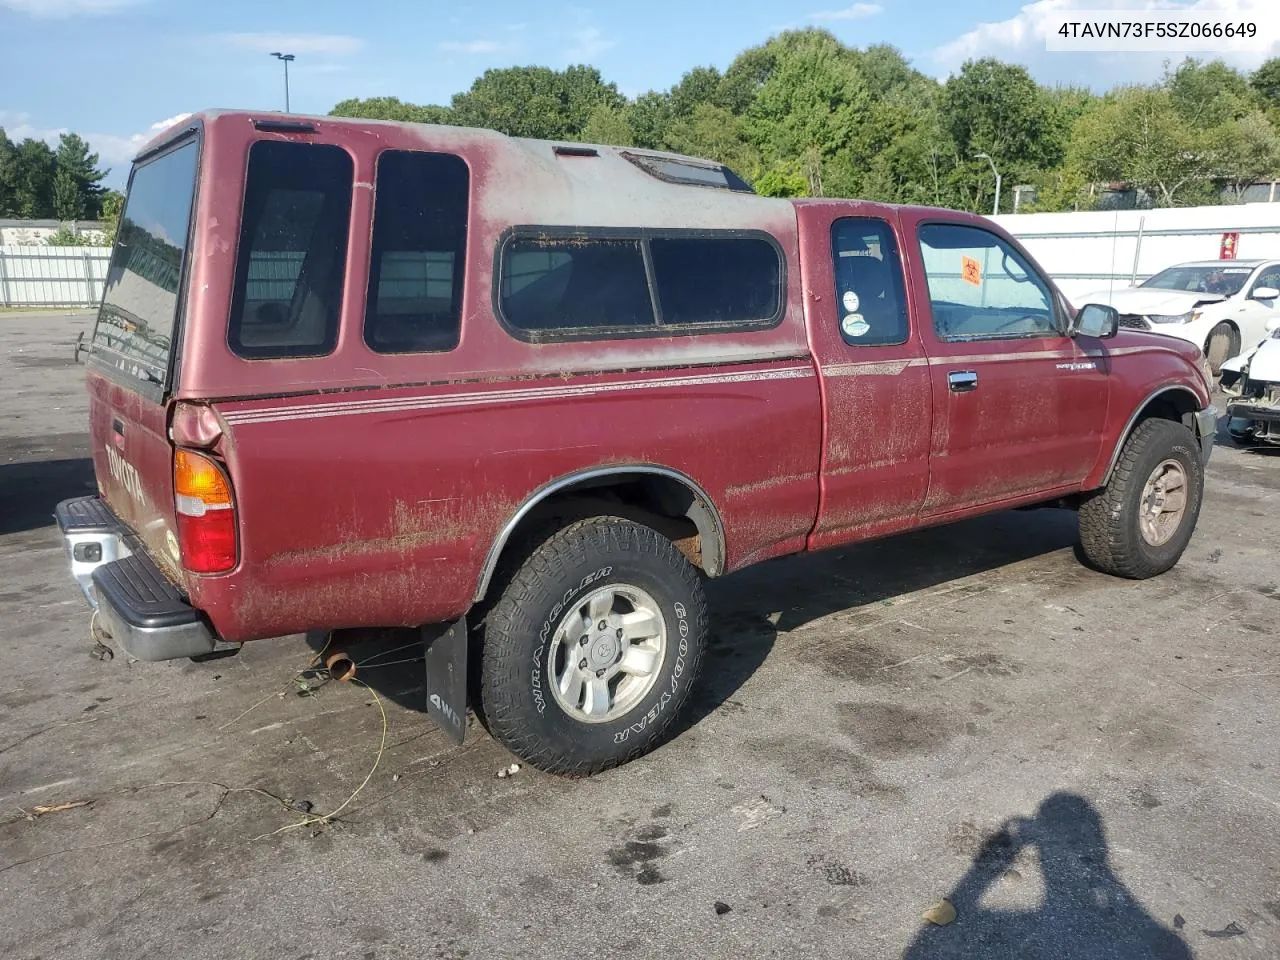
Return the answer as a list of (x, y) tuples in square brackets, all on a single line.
[(1218, 305), (528, 396)]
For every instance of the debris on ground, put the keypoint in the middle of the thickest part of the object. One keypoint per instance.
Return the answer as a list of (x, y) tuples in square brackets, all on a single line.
[(395, 778), (722, 908), (510, 771), (941, 913), (1179, 921), (41, 809), (1232, 929)]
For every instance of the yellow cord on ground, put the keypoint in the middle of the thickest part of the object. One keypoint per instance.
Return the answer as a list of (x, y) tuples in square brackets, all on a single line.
[(328, 817)]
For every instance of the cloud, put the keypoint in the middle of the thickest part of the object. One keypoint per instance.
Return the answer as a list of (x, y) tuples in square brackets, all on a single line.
[(472, 46), (1021, 39), (856, 12), (587, 44), (62, 9), (325, 44)]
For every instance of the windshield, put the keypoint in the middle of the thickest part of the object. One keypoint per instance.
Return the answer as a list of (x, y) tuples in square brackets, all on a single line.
[(1222, 281), (135, 326)]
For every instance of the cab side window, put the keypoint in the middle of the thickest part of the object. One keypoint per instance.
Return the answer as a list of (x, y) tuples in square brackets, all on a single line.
[(981, 288), (870, 294)]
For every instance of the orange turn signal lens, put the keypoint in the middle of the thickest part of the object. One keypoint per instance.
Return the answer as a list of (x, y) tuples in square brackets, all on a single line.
[(195, 475)]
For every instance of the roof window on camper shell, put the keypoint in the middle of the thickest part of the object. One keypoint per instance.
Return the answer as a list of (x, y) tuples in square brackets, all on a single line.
[(687, 171)]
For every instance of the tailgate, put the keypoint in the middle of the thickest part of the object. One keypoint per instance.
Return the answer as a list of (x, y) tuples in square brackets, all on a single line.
[(133, 461), (132, 352)]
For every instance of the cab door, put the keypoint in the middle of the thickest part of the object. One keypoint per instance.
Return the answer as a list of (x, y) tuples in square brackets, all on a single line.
[(1018, 406), (875, 379)]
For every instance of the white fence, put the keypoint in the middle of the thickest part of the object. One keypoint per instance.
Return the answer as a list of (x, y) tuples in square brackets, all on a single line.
[(40, 276), (1087, 252)]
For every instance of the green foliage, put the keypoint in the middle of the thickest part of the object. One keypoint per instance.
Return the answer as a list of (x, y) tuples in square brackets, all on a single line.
[(390, 108), (112, 204), (804, 115), (535, 101), (64, 236), (38, 184), (1266, 83)]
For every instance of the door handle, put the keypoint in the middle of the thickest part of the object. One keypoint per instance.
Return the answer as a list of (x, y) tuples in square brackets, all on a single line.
[(962, 381), (118, 426)]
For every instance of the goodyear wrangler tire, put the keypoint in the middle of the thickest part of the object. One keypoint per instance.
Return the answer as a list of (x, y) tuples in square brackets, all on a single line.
[(1138, 525), (592, 649)]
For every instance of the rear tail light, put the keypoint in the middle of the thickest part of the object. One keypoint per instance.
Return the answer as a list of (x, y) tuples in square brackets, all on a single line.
[(206, 513)]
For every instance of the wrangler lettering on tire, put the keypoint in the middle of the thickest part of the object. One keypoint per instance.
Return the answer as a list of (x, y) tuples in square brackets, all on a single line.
[(593, 647)]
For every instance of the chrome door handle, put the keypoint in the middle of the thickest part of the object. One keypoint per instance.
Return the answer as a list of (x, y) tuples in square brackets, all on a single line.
[(962, 381)]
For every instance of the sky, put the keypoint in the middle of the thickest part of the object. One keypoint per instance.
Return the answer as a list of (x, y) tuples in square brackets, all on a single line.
[(118, 71)]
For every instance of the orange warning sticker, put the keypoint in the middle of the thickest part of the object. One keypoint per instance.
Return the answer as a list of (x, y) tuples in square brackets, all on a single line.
[(970, 271)]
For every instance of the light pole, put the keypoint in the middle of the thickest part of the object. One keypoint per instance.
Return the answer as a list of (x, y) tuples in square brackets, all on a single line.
[(285, 58), (995, 208)]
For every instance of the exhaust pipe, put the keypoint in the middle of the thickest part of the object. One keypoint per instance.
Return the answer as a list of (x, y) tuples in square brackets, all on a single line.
[(337, 657)]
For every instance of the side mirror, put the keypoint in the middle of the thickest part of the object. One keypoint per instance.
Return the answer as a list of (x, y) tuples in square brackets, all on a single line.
[(1264, 293), (1096, 320)]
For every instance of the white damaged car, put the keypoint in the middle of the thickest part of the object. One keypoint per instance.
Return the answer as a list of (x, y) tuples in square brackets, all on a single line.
[(1219, 305), (1252, 381)]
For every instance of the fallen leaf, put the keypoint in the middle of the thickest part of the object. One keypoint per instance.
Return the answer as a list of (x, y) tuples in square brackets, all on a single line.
[(941, 913)]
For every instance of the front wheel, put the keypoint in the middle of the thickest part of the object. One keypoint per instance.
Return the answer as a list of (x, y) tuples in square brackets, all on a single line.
[(1221, 345), (1138, 525), (591, 651)]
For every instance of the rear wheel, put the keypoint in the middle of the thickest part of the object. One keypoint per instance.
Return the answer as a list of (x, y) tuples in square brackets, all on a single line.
[(1138, 525), (592, 649), (1221, 345)]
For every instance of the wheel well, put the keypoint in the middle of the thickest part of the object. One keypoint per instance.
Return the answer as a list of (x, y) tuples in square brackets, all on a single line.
[(665, 501), (1226, 320), (1175, 404)]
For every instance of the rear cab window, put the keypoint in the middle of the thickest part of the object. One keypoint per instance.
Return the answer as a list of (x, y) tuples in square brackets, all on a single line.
[(137, 323), (292, 255), (600, 284), (870, 292)]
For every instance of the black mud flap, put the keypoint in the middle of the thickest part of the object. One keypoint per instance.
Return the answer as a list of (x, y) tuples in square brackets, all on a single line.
[(446, 657)]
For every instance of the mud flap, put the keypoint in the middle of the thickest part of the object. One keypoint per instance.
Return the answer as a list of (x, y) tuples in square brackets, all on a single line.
[(446, 658)]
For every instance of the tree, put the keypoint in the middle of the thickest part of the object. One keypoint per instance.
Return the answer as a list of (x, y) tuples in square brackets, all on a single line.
[(8, 176), (1266, 83), (390, 108), (715, 133), (1247, 150), (1138, 137), (33, 182), (112, 204), (76, 192), (1210, 94), (535, 101), (998, 109), (608, 125), (808, 108)]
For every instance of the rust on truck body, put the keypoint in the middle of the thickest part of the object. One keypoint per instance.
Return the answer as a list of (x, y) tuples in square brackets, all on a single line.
[(377, 489)]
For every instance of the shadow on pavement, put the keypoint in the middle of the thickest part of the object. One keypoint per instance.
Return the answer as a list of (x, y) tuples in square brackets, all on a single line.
[(29, 491), (792, 591), (1087, 912)]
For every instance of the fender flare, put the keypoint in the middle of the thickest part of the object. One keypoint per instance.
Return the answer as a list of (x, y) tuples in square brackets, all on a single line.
[(702, 512), (1133, 419)]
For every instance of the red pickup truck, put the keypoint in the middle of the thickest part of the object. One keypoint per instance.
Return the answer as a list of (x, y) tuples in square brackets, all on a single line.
[(526, 395)]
